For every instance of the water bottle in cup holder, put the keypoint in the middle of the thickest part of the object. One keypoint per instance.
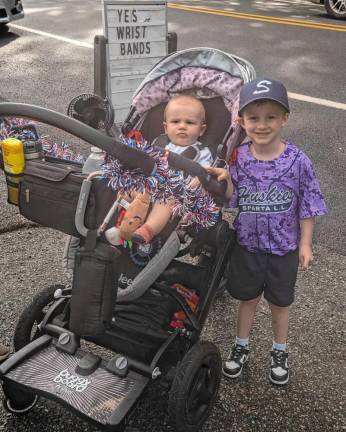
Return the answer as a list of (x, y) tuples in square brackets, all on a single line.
[(94, 160)]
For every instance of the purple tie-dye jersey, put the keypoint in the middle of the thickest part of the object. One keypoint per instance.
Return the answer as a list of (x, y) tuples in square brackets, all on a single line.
[(272, 196)]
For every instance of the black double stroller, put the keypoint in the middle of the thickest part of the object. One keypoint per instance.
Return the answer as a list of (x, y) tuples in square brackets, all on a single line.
[(124, 300)]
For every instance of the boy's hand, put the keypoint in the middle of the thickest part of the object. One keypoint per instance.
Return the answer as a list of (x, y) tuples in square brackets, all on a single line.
[(219, 173), (222, 174), (305, 256)]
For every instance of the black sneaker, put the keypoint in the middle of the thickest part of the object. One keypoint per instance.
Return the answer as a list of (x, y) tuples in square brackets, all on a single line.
[(279, 373), (233, 366)]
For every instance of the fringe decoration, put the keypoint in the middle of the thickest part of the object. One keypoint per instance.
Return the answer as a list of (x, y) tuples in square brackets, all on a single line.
[(195, 206), (6, 126), (59, 151)]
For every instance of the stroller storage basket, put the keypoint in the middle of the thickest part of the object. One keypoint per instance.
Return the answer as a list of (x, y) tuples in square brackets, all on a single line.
[(49, 192)]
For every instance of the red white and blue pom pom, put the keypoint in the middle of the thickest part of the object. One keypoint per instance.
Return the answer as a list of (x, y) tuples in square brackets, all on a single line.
[(61, 151), (196, 206), (7, 125)]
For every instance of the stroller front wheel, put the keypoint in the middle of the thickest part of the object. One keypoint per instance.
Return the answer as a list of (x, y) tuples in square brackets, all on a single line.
[(195, 387)]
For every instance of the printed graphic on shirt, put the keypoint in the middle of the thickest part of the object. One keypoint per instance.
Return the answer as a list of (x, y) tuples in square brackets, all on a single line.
[(274, 200)]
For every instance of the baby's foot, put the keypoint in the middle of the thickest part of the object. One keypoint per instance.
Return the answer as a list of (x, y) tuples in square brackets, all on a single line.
[(143, 234)]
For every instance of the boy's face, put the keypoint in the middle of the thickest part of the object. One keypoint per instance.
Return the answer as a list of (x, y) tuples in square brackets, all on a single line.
[(263, 121), (184, 121)]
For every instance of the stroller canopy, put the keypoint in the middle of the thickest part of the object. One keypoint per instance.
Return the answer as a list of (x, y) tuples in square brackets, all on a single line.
[(202, 72), (206, 73)]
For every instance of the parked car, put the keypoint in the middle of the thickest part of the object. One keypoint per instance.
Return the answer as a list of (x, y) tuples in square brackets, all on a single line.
[(334, 8), (10, 10)]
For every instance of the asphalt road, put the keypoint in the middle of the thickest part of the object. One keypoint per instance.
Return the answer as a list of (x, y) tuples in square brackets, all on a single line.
[(309, 59)]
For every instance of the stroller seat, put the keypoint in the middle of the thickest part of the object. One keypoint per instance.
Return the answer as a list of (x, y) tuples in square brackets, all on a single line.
[(217, 125)]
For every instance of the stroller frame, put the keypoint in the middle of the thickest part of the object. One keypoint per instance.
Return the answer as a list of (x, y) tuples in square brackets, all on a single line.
[(180, 352), (52, 362)]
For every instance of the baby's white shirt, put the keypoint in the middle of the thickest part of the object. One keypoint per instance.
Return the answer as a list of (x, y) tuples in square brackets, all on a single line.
[(205, 158)]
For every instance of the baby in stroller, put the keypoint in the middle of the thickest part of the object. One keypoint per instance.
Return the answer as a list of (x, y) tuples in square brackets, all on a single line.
[(184, 123)]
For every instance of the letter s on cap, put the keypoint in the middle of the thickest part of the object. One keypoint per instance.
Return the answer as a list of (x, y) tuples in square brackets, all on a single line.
[(262, 87)]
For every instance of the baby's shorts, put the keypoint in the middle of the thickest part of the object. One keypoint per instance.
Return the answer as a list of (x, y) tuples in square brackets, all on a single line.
[(251, 274)]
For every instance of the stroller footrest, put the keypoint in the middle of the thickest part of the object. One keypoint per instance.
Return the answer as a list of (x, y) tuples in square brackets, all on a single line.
[(100, 396)]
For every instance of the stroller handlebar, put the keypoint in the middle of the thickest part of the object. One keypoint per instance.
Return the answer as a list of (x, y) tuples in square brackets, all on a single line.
[(132, 158), (111, 145)]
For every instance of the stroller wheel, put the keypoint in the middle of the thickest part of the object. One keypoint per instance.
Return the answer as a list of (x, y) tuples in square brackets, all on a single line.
[(18, 410), (18, 402), (195, 387), (27, 326)]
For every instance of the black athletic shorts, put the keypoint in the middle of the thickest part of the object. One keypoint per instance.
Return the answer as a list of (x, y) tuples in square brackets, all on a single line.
[(251, 274)]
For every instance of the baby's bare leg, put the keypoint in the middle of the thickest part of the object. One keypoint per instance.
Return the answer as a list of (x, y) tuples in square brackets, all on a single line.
[(159, 217), (156, 221)]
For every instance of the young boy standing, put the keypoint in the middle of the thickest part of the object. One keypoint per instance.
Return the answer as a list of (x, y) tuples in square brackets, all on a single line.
[(273, 184)]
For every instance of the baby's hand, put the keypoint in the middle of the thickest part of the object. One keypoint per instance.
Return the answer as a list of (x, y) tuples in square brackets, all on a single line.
[(305, 256)]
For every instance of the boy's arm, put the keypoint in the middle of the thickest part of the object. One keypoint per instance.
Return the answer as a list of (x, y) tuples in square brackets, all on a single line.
[(305, 244), (222, 174)]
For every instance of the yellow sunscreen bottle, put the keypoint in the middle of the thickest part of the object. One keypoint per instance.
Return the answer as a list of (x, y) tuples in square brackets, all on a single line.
[(14, 162)]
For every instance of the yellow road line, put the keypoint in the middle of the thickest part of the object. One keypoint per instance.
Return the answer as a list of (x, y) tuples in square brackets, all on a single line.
[(262, 18)]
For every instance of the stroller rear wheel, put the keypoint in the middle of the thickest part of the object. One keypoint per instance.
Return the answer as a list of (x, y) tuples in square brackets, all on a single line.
[(18, 402), (27, 327), (195, 387)]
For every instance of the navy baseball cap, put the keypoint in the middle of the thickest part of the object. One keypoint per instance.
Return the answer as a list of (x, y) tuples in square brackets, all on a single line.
[(263, 88)]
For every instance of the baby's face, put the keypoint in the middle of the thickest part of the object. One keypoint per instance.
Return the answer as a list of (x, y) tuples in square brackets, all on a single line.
[(184, 122)]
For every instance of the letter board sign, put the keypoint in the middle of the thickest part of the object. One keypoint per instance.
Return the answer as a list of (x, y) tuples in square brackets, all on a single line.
[(136, 33)]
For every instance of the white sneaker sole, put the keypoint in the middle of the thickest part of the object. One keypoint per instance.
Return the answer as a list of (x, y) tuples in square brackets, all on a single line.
[(272, 380), (238, 373), (232, 376)]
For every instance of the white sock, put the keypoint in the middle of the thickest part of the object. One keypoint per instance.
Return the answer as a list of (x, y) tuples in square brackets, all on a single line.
[(242, 341), (279, 347)]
